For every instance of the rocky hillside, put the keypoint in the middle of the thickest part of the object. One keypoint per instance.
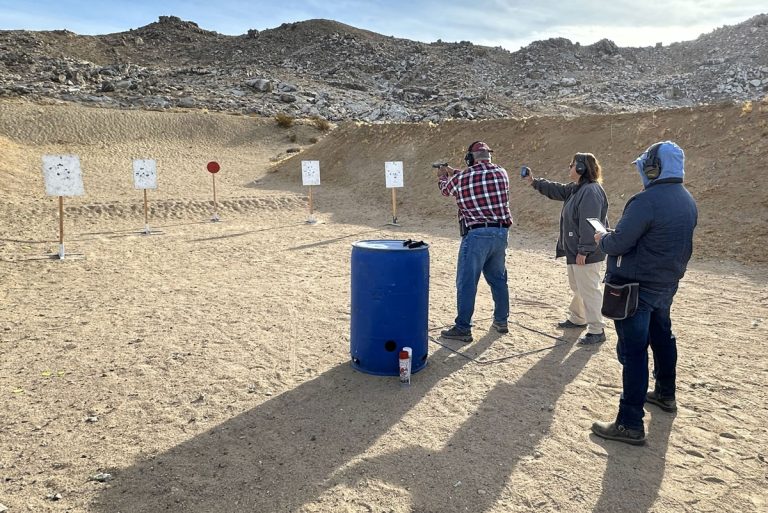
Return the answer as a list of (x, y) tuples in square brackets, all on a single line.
[(331, 70)]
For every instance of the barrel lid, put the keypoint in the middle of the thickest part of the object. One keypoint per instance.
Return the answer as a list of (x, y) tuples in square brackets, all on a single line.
[(386, 245)]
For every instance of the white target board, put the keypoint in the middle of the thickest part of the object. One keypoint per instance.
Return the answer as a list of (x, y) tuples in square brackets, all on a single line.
[(62, 175), (310, 172), (393, 173), (145, 174)]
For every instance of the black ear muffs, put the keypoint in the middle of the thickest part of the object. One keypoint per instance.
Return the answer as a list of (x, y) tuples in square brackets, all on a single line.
[(469, 158), (581, 164), (652, 164)]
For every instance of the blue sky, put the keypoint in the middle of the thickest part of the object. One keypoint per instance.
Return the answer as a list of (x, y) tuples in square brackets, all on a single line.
[(510, 24)]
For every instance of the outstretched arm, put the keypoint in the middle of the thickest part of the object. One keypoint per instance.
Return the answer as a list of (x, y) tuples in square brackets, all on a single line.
[(553, 190)]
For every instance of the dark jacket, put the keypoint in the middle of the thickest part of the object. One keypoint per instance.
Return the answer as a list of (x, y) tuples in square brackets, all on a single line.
[(581, 202), (653, 240)]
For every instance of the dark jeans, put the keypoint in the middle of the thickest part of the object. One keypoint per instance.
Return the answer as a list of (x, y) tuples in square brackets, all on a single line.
[(652, 326)]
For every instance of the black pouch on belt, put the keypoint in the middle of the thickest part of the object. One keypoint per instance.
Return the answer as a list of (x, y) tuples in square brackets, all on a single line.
[(620, 301)]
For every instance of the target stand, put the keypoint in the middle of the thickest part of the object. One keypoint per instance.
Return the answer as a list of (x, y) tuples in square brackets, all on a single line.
[(393, 177)]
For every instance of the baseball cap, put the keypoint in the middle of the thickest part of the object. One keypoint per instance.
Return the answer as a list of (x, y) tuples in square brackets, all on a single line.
[(480, 146)]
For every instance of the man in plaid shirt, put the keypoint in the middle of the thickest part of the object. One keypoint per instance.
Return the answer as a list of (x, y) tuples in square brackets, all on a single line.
[(482, 195)]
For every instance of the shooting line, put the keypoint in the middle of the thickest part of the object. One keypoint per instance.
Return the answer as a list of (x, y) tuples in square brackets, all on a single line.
[(560, 341)]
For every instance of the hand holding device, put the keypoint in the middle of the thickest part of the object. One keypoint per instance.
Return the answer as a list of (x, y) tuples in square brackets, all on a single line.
[(525, 171)]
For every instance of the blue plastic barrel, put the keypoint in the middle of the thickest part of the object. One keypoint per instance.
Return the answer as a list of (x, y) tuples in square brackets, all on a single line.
[(390, 303)]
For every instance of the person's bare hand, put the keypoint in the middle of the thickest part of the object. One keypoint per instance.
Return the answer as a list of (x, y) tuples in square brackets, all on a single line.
[(581, 259)]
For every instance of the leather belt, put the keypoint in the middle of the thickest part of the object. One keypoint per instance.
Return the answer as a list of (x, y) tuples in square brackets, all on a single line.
[(488, 225)]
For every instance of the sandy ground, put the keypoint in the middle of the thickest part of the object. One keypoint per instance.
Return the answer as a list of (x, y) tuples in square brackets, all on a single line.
[(206, 368)]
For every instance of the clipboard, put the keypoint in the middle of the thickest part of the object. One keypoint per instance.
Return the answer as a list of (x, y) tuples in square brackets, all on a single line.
[(597, 225)]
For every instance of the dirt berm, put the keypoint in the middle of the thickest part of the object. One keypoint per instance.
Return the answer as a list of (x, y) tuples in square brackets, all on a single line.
[(725, 149)]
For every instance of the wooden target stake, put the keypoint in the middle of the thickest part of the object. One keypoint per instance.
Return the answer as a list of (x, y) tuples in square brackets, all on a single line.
[(394, 206), (61, 227), (146, 214), (215, 203), (311, 219)]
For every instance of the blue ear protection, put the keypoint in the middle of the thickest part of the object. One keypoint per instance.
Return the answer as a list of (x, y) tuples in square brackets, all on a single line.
[(469, 158), (652, 164)]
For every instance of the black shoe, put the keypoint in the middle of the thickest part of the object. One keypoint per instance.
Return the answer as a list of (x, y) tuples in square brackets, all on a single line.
[(567, 324), (457, 334), (612, 431), (592, 338), (500, 327), (668, 405)]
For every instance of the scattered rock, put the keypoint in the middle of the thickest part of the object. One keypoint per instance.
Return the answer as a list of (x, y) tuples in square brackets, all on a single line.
[(327, 69), (101, 477)]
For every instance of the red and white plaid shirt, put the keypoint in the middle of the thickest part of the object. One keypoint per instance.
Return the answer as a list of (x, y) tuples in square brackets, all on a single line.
[(481, 192)]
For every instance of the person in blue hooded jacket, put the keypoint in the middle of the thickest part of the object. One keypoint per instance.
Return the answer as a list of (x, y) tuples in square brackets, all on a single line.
[(650, 245)]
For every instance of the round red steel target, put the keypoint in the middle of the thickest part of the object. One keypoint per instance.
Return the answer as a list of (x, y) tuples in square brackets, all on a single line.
[(213, 167)]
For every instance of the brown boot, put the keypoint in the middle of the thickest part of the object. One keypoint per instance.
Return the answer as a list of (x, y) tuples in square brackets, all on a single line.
[(612, 431)]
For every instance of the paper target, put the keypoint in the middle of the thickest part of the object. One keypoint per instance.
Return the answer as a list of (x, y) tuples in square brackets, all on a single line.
[(62, 175), (144, 174), (310, 172), (393, 173)]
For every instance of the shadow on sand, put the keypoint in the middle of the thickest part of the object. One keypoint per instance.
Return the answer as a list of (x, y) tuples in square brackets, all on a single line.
[(291, 449), (635, 472)]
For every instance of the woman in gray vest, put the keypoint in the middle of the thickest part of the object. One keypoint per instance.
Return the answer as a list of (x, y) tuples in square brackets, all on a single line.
[(582, 198)]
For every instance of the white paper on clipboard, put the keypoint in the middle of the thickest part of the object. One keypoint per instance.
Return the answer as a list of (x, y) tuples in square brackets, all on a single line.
[(597, 225)]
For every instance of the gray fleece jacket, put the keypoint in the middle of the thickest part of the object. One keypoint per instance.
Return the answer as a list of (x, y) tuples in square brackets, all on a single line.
[(581, 202)]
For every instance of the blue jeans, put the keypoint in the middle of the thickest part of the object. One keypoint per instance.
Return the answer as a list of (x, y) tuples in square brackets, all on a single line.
[(652, 326), (482, 250)]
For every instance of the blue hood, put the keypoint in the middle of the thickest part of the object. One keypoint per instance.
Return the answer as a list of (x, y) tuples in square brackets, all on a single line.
[(672, 161)]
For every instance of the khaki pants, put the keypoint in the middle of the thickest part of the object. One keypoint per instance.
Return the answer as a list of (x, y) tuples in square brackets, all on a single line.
[(587, 296)]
